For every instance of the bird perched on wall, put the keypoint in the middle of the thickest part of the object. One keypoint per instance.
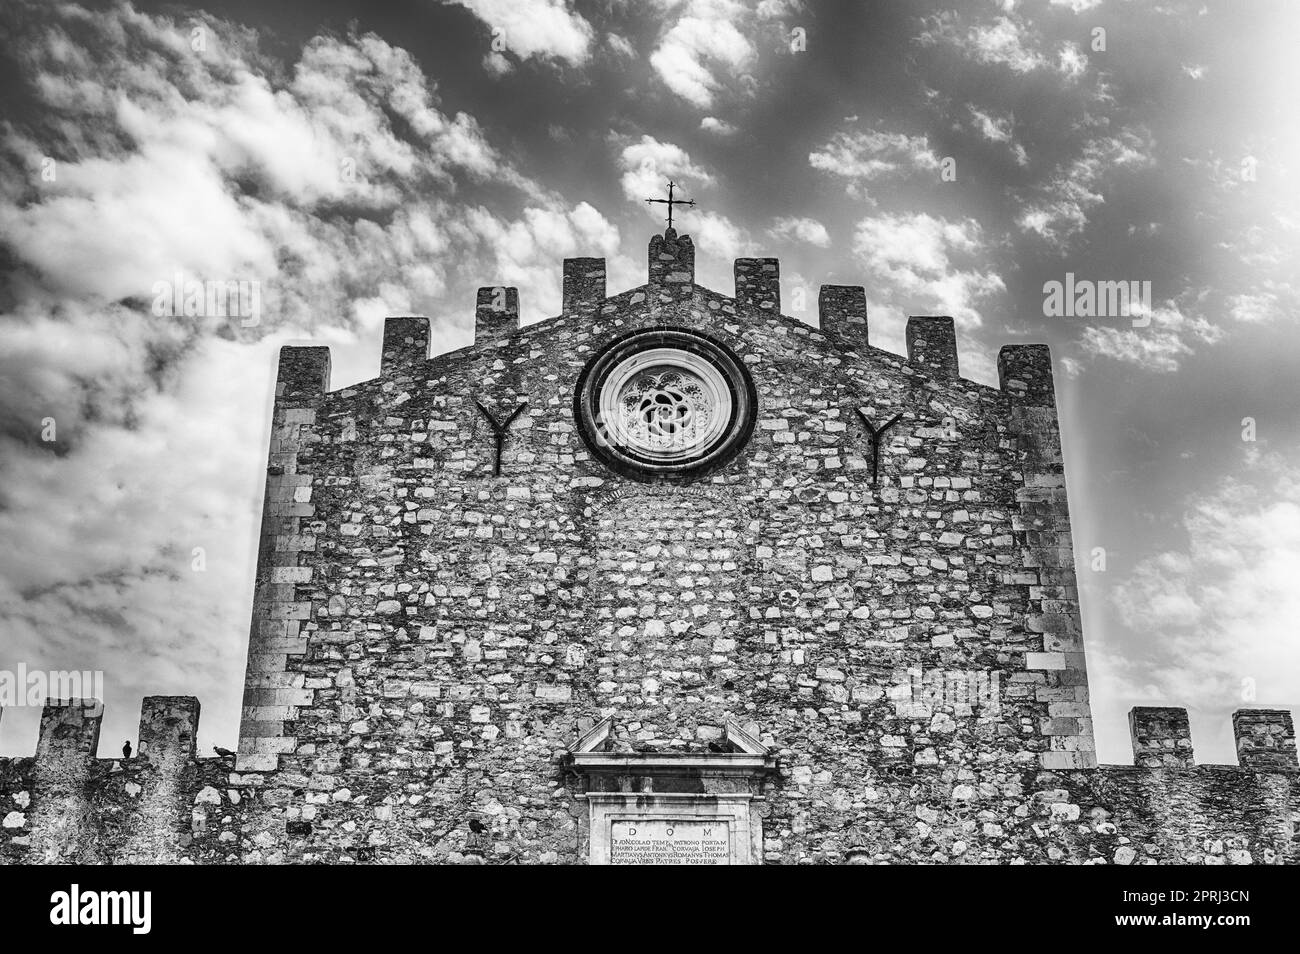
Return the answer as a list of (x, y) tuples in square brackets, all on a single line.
[(223, 753), (478, 840), (126, 750)]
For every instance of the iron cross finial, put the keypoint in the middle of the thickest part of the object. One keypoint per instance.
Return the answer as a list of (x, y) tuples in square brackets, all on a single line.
[(670, 201)]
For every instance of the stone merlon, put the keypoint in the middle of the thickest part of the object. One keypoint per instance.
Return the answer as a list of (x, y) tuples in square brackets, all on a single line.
[(672, 262), (584, 284), (406, 345), (842, 311), (932, 344), (758, 283), (496, 314)]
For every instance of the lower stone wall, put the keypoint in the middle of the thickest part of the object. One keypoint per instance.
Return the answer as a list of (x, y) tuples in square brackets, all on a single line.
[(1114, 814), (908, 815), (118, 811)]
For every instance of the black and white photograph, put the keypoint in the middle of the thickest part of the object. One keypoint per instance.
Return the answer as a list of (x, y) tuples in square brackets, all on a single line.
[(677, 432)]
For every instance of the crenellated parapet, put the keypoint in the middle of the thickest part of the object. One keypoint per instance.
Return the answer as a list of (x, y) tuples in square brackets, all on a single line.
[(1024, 371), (1162, 738), (67, 805), (163, 805)]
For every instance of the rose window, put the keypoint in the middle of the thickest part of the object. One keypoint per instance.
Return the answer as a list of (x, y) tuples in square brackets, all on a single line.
[(665, 403), (666, 407)]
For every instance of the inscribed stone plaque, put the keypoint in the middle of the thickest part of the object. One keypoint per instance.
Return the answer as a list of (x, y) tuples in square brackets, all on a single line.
[(660, 841), (662, 828)]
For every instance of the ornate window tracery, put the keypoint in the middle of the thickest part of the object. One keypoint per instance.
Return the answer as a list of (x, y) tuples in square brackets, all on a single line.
[(667, 402)]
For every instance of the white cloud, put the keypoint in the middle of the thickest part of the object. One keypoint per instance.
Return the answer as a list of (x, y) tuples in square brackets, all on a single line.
[(861, 157), (1058, 210), (1007, 41), (498, 64), (222, 166), (1256, 307), (541, 29), (999, 129), (704, 50), (525, 251), (1071, 62), (1159, 346), (1222, 609), (648, 164), (801, 229), (620, 45), (716, 236), (717, 126), (1004, 42), (912, 261)]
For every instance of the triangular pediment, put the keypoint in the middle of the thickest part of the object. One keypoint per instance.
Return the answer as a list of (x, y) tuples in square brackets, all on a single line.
[(737, 739)]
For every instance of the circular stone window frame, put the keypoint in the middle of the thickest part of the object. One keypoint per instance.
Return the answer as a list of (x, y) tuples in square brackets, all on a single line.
[(713, 363)]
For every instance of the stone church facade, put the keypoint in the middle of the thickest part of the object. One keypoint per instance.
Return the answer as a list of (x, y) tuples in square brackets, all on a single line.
[(671, 577)]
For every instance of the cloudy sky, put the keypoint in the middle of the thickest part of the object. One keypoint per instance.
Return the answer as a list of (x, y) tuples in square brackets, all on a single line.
[(360, 159)]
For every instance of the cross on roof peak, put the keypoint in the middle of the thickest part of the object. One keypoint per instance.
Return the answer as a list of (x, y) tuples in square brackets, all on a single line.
[(670, 202)]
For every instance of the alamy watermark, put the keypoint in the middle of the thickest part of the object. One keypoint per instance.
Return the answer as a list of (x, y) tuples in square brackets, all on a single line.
[(133, 909), (1083, 298), (948, 687), (208, 299), (23, 687)]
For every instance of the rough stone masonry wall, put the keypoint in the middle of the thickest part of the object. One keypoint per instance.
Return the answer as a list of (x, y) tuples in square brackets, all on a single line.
[(428, 638), (66, 806), (169, 807), (466, 623), (466, 627)]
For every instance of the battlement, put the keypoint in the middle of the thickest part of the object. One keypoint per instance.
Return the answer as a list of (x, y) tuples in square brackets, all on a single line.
[(1162, 738), (162, 805), (70, 728), (69, 805), (1161, 735), (1024, 371)]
